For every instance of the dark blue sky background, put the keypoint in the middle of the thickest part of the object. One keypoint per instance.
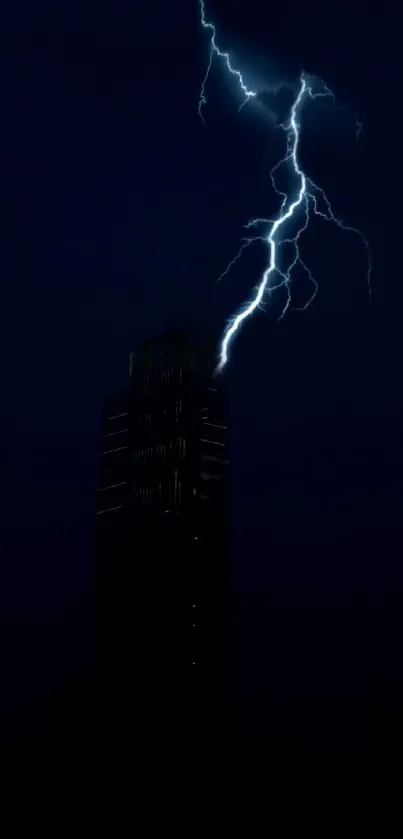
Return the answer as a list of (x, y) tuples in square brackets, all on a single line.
[(118, 211)]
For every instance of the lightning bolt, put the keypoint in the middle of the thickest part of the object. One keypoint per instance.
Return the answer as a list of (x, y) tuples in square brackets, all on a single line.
[(308, 200)]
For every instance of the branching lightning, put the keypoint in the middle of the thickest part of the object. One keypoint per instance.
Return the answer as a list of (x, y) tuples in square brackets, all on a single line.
[(308, 200)]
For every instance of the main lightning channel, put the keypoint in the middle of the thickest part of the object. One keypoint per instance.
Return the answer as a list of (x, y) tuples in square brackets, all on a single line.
[(306, 202), (284, 216)]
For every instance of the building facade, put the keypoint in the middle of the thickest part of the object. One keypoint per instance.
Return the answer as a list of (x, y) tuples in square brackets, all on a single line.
[(162, 539)]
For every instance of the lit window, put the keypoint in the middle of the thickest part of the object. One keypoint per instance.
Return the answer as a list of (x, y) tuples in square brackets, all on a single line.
[(116, 416), (111, 486), (109, 510), (112, 451), (113, 433)]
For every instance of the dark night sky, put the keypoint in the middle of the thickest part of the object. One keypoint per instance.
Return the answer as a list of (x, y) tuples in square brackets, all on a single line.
[(118, 211)]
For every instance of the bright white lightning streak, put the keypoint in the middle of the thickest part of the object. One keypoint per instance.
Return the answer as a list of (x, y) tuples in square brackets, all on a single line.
[(305, 201), (248, 94)]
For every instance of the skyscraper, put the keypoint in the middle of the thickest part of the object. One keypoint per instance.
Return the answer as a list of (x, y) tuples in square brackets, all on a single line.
[(162, 539)]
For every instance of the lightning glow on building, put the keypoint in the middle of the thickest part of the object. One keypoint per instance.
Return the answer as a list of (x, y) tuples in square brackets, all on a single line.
[(308, 199)]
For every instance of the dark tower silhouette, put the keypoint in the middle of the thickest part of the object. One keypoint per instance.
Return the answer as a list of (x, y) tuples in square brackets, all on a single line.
[(162, 548)]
